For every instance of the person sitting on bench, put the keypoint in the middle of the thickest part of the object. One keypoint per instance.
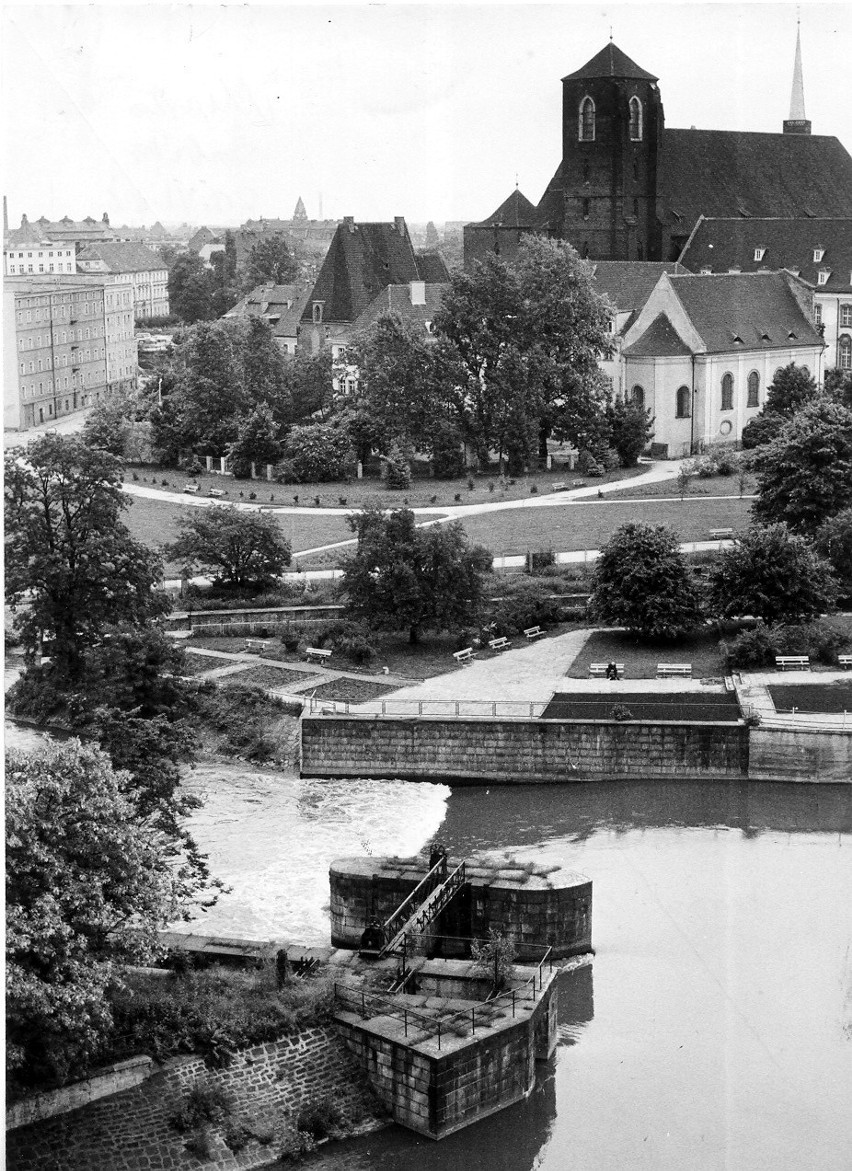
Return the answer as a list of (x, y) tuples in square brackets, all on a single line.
[(611, 671)]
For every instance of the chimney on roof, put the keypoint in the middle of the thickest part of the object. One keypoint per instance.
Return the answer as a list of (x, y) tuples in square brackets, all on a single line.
[(349, 220), (418, 292), (797, 123), (24, 221), (399, 224), (105, 220)]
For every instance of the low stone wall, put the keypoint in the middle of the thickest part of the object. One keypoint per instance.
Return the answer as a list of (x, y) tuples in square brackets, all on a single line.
[(131, 1130), (271, 616), (821, 756), (502, 751), (110, 1079)]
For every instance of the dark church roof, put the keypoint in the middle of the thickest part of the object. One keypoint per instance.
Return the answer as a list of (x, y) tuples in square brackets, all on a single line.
[(628, 283), (722, 244), (748, 174), (362, 260), (660, 340), (611, 62), (514, 212)]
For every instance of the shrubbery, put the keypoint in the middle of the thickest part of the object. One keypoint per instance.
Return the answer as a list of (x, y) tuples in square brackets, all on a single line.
[(757, 648), (314, 453), (526, 603), (242, 716)]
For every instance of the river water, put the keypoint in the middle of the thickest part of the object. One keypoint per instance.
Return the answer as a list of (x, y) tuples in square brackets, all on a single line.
[(713, 1031)]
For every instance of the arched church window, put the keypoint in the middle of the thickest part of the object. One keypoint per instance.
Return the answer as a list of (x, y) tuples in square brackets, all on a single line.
[(844, 352), (587, 120), (682, 402), (753, 399), (637, 396), (635, 120), (727, 392)]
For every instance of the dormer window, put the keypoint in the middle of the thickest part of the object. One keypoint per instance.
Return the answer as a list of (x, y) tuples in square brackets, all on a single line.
[(635, 120), (818, 254), (587, 120), (822, 276), (759, 253)]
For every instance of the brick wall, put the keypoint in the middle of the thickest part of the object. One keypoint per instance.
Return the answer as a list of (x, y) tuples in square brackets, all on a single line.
[(131, 1130), (521, 750)]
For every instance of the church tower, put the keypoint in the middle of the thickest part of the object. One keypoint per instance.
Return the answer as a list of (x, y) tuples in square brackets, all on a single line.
[(603, 197), (797, 123)]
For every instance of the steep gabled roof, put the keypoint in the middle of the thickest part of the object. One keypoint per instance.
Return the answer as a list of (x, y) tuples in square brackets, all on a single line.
[(628, 283), (752, 311), (122, 257), (432, 267), (746, 174), (611, 62), (660, 340), (722, 244), (514, 212), (397, 299), (363, 259)]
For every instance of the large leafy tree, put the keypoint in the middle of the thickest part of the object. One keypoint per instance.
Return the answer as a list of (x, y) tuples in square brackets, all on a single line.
[(772, 574), (833, 541), (642, 581), (270, 261), (263, 365), (239, 548), (258, 441), (838, 385), (72, 567), (309, 386), (791, 389), (210, 394), (804, 475), (405, 578), (89, 881), (521, 345), (191, 289), (631, 430)]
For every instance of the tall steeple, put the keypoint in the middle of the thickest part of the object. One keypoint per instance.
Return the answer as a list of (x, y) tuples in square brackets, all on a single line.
[(797, 123)]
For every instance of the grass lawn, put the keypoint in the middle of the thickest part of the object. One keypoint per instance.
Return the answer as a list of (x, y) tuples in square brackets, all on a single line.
[(351, 690), (589, 526), (712, 486), (640, 657), (687, 707), (264, 676), (198, 664), (809, 697)]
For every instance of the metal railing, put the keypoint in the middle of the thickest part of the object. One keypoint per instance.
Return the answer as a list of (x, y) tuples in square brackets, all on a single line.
[(504, 708), (421, 892), (429, 909)]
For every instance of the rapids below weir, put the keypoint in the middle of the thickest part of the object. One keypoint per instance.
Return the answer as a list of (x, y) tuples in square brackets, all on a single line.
[(713, 1030)]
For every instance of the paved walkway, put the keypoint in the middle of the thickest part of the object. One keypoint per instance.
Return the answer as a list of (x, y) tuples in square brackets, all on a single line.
[(753, 691)]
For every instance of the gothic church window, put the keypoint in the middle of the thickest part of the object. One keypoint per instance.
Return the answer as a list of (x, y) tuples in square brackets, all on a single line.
[(635, 120), (727, 392), (587, 120), (753, 399), (682, 407)]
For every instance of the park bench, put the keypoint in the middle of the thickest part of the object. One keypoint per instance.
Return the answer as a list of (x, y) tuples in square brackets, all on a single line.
[(844, 662), (578, 483), (721, 534), (729, 683), (559, 487), (792, 663), (598, 670), (533, 632), (463, 656), (668, 670), (257, 644), (316, 654), (499, 644), (191, 488), (217, 492)]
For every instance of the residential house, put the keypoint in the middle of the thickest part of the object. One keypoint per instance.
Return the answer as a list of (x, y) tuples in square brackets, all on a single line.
[(281, 306), (145, 269)]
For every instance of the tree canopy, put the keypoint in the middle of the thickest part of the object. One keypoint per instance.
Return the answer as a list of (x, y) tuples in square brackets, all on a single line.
[(772, 574), (642, 581), (270, 261), (239, 548), (405, 578)]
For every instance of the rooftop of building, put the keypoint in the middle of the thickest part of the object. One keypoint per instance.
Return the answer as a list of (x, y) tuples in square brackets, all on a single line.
[(397, 299), (122, 256), (611, 62), (514, 212), (628, 283)]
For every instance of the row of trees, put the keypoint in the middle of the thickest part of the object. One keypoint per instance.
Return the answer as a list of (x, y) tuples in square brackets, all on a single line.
[(199, 293)]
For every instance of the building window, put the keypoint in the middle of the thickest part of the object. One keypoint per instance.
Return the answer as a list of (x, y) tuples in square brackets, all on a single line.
[(682, 402), (637, 396), (727, 392), (818, 254), (844, 352), (317, 311), (635, 120), (817, 314), (822, 277), (753, 399), (845, 315), (587, 120), (759, 253)]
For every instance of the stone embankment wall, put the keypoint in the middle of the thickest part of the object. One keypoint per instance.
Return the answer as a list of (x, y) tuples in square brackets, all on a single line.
[(131, 1130), (516, 750), (803, 754), (272, 616)]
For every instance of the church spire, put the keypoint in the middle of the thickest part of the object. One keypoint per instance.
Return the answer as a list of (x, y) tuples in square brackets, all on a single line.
[(797, 123)]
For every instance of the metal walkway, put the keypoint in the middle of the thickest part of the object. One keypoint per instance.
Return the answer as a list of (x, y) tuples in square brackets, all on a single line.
[(422, 906)]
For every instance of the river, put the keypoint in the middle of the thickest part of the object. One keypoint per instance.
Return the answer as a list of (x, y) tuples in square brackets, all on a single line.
[(713, 1031)]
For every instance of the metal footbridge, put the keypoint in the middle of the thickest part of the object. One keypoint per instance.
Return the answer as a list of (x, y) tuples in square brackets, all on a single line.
[(425, 903)]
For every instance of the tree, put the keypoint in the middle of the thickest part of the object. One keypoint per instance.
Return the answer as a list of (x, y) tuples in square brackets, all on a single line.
[(88, 884), (191, 288), (269, 262), (258, 441), (771, 574), (838, 385), (432, 237), (805, 474), (833, 541), (632, 429), (210, 396), (791, 389), (72, 567), (402, 577), (308, 385), (237, 548), (107, 425), (642, 581), (317, 452), (263, 367)]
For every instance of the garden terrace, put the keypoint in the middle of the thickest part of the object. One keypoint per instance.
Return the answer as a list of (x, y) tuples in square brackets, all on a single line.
[(828, 698), (684, 707)]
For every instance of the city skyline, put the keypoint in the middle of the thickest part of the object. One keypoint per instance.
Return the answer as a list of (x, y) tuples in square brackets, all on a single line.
[(222, 113)]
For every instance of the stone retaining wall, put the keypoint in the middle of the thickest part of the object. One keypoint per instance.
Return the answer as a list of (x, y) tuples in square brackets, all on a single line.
[(801, 754), (132, 1131), (517, 750)]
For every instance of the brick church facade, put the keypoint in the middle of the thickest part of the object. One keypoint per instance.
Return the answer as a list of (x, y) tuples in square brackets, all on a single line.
[(628, 188)]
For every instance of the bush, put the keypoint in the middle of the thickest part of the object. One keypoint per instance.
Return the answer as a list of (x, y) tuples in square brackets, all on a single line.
[(398, 474), (540, 559), (750, 650), (526, 603), (358, 649), (206, 1102), (319, 1119), (314, 453), (757, 648)]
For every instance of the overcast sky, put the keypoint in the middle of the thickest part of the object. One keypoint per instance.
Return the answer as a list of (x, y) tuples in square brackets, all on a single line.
[(217, 113)]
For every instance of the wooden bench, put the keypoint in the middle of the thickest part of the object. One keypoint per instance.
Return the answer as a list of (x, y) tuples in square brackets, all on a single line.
[(721, 534), (463, 656), (578, 483), (192, 488), (667, 670), (499, 644), (257, 644), (560, 487), (844, 662), (217, 492), (598, 670), (792, 663), (316, 654), (533, 632)]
